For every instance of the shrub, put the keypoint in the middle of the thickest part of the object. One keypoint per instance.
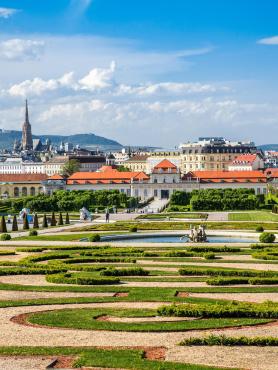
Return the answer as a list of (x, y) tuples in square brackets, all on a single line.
[(137, 271), (267, 237), (36, 222), (206, 248), (263, 281), (225, 272), (3, 227), (33, 233), (222, 340), (209, 256), (133, 229), (5, 237), (228, 281), (25, 223), (259, 229), (69, 278), (230, 309), (53, 220), (67, 222), (44, 221), (61, 221), (94, 238), (30, 270), (14, 225)]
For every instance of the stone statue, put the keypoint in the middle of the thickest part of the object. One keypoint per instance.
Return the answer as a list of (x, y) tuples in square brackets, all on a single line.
[(197, 234), (85, 215)]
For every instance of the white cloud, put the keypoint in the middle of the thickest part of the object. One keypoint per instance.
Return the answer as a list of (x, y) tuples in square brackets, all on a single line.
[(7, 12), (269, 41), (21, 49), (98, 78)]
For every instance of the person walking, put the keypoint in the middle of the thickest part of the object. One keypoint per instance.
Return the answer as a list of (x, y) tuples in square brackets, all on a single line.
[(107, 215)]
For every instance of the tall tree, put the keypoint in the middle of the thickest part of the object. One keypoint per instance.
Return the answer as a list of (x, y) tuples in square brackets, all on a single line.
[(70, 167)]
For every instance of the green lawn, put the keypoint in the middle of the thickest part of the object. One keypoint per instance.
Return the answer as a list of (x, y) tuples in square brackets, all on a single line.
[(263, 216), (106, 358), (85, 318), (185, 215)]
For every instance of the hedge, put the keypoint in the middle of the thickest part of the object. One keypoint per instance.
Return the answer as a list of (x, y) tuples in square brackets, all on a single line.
[(220, 310), (225, 272), (81, 280), (241, 280), (223, 340), (99, 260), (31, 271), (136, 271), (267, 237), (6, 253), (179, 254), (206, 248)]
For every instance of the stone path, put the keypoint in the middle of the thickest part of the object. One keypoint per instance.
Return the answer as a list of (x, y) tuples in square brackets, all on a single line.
[(218, 216)]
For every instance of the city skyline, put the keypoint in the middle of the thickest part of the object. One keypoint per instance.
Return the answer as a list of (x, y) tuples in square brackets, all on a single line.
[(156, 73)]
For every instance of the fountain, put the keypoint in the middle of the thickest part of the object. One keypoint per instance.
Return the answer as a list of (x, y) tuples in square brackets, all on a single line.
[(197, 234)]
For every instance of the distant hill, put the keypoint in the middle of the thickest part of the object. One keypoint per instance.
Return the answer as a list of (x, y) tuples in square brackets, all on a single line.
[(8, 137), (269, 147)]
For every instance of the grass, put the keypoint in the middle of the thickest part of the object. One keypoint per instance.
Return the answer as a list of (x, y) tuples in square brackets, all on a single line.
[(107, 358), (263, 216), (85, 318), (185, 215)]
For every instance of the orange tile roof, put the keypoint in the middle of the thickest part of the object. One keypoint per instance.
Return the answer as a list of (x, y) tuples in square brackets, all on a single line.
[(35, 177), (56, 177), (228, 176), (245, 158), (165, 164), (107, 176)]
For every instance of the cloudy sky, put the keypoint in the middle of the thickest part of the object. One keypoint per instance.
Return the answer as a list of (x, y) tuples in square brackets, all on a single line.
[(145, 72)]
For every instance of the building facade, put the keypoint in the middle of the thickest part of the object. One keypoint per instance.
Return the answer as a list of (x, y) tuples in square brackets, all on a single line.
[(19, 185)]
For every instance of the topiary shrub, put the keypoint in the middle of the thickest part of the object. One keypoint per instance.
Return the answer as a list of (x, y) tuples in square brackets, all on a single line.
[(259, 229), (44, 221), (3, 227), (267, 237), (14, 225), (5, 237), (67, 222), (209, 256), (36, 222), (133, 229), (60, 221), (25, 223), (33, 233), (94, 238), (53, 220)]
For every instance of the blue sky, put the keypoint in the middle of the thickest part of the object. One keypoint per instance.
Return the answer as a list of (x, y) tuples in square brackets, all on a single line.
[(143, 72)]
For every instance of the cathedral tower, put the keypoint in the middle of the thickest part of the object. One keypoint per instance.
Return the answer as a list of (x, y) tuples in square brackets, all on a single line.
[(27, 140)]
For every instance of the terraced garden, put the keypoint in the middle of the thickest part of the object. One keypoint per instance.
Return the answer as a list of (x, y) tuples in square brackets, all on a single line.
[(71, 304)]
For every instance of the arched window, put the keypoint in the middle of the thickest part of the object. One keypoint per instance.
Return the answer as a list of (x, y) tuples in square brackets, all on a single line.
[(32, 191), (24, 191), (16, 192)]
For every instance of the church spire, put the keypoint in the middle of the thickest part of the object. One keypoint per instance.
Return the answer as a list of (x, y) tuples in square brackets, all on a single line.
[(26, 112)]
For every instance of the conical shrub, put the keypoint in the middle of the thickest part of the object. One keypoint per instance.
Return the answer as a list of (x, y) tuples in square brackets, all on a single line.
[(53, 220), (44, 221), (67, 219), (25, 223), (61, 221), (14, 225), (3, 226), (36, 222)]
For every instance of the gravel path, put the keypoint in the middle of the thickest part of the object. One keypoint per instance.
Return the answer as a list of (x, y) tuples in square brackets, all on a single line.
[(20, 295), (15, 335), (25, 362)]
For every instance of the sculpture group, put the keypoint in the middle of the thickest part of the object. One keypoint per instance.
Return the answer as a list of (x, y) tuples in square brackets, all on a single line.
[(197, 234)]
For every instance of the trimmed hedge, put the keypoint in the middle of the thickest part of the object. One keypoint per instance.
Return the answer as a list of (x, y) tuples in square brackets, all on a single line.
[(99, 260), (5, 237), (6, 253), (225, 272), (223, 340), (209, 256), (179, 254), (267, 237), (241, 280), (69, 278), (206, 248), (136, 271), (233, 309), (31, 271)]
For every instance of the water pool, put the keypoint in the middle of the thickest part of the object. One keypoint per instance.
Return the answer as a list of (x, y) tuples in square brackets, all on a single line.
[(177, 239)]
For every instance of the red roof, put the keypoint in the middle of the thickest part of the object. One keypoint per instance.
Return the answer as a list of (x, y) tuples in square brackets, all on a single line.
[(228, 176), (245, 159), (56, 177), (165, 164), (32, 177), (106, 177)]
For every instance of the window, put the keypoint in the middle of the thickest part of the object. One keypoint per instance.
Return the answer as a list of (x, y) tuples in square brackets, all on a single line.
[(16, 192), (32, 191), (24, 192)]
